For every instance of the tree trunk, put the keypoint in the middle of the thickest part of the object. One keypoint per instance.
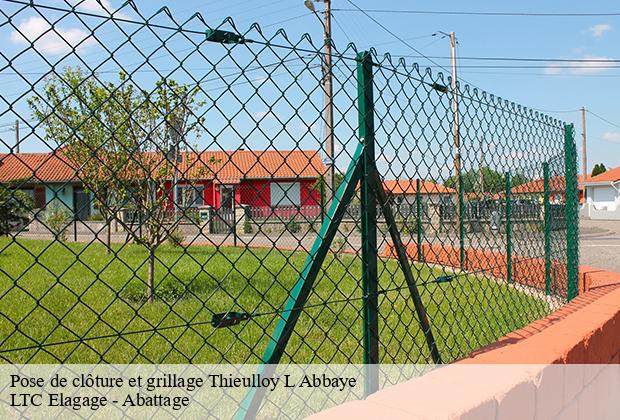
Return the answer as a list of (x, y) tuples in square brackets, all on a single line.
[(108, 238), (151, 276)]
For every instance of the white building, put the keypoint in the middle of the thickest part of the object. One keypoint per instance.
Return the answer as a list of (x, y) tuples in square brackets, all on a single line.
[(603, 196)]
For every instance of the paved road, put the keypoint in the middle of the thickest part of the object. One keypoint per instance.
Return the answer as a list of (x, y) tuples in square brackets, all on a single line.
[(600, 244)]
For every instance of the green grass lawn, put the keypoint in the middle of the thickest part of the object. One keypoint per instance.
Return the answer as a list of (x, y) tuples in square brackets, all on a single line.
[(56, 299)]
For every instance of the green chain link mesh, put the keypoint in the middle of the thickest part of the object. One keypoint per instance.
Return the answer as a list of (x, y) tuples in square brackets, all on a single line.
[(172, 179)]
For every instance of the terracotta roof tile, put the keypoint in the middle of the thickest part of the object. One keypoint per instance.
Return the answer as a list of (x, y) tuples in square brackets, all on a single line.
[(36, 167), (612, 175), (222, 166), (556, 183)]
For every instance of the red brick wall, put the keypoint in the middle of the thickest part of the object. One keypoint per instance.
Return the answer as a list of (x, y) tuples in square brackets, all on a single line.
[(525, 271), (563, 366)]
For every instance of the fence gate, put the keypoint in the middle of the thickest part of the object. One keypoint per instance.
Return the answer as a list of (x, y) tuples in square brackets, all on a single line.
[(222, 221)]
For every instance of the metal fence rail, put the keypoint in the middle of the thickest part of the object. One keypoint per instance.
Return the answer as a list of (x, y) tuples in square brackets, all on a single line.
[(168, 200)]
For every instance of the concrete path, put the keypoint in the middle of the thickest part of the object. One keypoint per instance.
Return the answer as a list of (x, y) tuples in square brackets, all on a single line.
[(600, 244)]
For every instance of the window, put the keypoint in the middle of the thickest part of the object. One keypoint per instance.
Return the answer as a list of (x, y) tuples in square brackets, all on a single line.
[(190, 195), (285, 194)]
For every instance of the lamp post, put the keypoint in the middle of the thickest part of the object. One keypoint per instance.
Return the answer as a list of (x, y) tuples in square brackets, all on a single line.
[(328, 105), (457, 139)]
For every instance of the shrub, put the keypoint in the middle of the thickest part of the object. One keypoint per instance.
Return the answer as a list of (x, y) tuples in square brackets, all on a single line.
[(409, 226), (247, 226), (56, 218), (96, 217), (293, 226), (14, 208), (176, 237)]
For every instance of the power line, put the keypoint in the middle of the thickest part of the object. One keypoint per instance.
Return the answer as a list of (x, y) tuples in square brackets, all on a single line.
[(603, 119), (409, 45), (461, 13), (531, 59), (524, 66), (395, 36), (342, 29), (508, 73)]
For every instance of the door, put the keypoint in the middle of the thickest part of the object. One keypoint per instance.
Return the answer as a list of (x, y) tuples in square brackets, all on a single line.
[(81, 204)]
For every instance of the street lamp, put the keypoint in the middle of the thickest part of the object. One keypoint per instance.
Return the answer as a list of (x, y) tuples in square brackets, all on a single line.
[(328, 98)]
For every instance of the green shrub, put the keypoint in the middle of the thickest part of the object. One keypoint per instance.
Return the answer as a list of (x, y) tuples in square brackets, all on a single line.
[(56, 218), (409, 226), (176, 237), (96, 217), (14, 208), (247, 226), (293, 226)]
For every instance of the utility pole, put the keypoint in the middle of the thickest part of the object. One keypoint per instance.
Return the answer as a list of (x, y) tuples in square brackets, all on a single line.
[(481, 165), (16, 136), (328, 104), (584, 162), (455, 130)]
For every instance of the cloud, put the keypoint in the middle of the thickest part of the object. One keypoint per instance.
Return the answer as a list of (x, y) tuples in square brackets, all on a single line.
[(598, 65), (588, 64), (552, 69), (611, 136), (599, 30), (49, 40)]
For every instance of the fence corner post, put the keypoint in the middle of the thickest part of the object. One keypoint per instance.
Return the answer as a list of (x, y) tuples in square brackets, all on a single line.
[(572, 221), (547, 228), (508, 231), (369, 222), (418, 204), (461, 226)]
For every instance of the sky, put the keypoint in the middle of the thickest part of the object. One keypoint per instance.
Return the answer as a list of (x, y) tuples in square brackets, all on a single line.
[(558, 88)]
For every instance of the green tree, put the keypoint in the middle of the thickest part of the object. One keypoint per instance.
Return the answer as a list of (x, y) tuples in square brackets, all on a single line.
[(598, 169), (320, 184), (125, 143), (492, 180), (79, 114), (14, 208)]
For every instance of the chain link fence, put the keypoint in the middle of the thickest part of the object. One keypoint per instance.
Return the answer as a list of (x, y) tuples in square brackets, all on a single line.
[(173, 198)]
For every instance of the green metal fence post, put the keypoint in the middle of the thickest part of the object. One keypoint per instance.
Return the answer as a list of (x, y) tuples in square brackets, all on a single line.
[(418, 204), (508, 232), (300, 292), (572, 229), (547, 225), (405, 265), (368, 221)]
